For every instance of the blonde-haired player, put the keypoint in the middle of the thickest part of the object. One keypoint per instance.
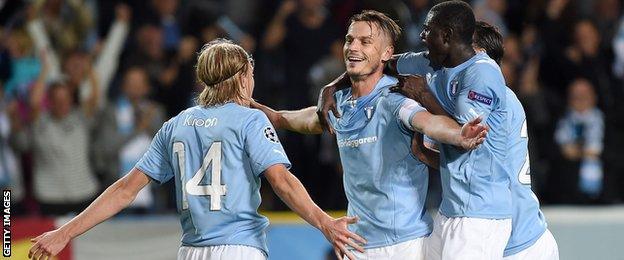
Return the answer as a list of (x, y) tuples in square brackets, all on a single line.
[(232, 144)]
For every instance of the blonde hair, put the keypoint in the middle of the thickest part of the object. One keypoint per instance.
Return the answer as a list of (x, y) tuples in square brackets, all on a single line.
[(220, 67)]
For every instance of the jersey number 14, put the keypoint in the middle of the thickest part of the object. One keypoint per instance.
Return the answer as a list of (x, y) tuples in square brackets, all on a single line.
[(215, 189)]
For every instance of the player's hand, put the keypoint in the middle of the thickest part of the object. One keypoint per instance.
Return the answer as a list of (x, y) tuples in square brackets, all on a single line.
[(473, 134), (48, 244), (327, 102), (339, 236), (410, 86), (123, 12)]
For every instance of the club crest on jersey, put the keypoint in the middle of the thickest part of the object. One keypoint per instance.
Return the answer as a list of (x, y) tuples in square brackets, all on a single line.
[(270, 135), (369, 112), (454, 84), (479, 97)]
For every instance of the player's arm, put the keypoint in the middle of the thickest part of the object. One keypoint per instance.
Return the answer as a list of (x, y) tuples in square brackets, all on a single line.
[(292, 192), (446, 130), (327, 101), (391, 67), (115, 198), (304, 121), (415, 87), (441, 128)]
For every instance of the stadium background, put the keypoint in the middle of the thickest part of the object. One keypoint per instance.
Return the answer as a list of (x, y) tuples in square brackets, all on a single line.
[(561, 57)]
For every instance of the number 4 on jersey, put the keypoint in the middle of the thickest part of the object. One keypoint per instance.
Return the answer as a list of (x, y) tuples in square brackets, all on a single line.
[(215, 190)]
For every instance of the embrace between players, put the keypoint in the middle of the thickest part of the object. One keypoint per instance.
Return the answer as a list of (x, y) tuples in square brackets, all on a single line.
[(388, 126)]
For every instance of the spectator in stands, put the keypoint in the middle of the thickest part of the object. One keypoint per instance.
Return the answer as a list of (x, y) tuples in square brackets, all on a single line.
[(580, 137), (492, 12), (59, 141), (75, 65), (69, 23), (178, 79), (124, 131), (10, 168), (304, 31), (418, 10), (24, 65)]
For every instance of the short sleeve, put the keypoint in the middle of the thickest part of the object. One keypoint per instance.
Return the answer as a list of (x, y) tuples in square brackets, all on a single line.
[(407, 110), (262, 144), (156, 163), (479, 94), (413, 63)]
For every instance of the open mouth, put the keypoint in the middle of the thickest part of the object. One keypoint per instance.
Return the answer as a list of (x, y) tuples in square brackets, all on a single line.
[(354, 59)]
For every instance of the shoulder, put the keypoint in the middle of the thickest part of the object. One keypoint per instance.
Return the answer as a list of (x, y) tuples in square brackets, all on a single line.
[(414, 56), (413, 63), (391, 101), (597, 113), (484, 69)]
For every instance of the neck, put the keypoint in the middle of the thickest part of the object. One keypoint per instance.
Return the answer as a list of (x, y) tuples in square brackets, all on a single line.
[(459, 55), (243, 102), (362, 86)]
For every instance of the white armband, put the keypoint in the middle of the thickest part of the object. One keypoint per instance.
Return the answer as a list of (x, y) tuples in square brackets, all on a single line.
[(407, 110)]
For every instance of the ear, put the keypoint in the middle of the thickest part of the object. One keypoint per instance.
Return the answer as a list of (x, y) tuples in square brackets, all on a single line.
[(447, 35), (387, 54)]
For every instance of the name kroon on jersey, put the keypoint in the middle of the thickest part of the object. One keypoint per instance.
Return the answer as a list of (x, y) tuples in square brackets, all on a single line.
[(205, 122), (356, 142)]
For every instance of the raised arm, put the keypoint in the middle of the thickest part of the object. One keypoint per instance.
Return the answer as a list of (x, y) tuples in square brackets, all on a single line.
[(292, 192), (108, 59), (37, 93), (115, 198), (304, 121), (276, 30), (90, 105)]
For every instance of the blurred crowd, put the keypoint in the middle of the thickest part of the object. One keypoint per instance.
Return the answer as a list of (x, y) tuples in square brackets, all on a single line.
[(85, 84)]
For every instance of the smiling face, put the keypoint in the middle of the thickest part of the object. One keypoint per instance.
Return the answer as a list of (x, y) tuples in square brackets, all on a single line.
[(366, 49)]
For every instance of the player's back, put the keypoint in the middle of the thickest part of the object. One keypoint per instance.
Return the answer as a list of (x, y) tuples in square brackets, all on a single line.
[(217, 155), (528, 222)]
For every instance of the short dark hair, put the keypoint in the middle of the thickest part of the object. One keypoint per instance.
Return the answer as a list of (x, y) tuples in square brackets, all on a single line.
[(385, 23), (489, 38), (457, 16)]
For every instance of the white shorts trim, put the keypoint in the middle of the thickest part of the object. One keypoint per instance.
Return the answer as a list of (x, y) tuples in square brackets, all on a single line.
[(545, 248), (234, 252), (467, 238), (412, 249)]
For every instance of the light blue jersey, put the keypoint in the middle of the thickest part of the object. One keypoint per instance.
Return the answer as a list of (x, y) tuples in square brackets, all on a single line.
[(217, 156), (384, 183), (528, 222), (474, 183)]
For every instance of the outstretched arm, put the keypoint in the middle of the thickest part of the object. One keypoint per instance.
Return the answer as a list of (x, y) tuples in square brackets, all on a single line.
[(304, 121), (292, 192), (446, 130), (115, 198)]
